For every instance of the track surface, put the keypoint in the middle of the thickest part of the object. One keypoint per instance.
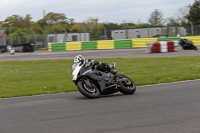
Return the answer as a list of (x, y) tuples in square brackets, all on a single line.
[(115, 53), (164, 108)]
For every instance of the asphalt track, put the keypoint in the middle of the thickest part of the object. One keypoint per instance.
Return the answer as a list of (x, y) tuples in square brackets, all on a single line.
[(163, 108), (115, 53)]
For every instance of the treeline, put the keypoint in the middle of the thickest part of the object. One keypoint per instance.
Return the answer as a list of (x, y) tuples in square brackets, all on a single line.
[(59, 22)]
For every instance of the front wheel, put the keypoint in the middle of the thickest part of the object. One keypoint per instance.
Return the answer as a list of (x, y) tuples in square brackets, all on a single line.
[(195, 48), (89, 92), (128, 86)]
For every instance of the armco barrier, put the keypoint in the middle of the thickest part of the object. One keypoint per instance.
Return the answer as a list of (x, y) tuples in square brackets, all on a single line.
[(169, 39), (89, 45), (195, 39), (109, 44), (50, 46), (58, 47), (115, 44), (119, 44), (141, 42), (73, 46)]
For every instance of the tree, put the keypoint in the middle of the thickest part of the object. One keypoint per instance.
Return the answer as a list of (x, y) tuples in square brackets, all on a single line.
[(127, 25), (94, 28), (78, 27), (111, 26), (13, 23), (156, 18), (179, 18), (55, 18), (193, 15), (181, 15), (14, 20), (27, 21), (55, 22), (173, 21), (140, 25)]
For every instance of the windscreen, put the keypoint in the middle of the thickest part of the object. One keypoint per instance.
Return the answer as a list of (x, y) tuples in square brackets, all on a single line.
[(74, 66)]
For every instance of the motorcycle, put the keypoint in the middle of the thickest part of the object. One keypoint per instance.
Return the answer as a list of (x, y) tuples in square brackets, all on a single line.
[(92, 82), (188, 45)]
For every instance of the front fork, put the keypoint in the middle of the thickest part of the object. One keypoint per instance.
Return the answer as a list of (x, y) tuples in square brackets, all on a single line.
[(87, 82)]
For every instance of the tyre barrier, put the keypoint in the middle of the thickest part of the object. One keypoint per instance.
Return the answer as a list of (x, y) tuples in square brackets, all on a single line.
[(3, 49), (18, 48), (23, 47), (162, 47)]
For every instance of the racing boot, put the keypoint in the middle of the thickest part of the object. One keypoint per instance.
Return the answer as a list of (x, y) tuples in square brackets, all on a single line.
[(114, 72)]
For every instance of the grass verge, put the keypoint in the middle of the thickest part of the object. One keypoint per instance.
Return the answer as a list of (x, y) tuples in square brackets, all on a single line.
[(23, 78)]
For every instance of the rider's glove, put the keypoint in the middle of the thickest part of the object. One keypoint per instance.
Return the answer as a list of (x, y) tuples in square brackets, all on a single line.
[(90, 64)]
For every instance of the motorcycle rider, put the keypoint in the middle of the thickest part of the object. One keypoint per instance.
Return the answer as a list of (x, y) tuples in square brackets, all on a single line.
[(102, 66), (187, 44)]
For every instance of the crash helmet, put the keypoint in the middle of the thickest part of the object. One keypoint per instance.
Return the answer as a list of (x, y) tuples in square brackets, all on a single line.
[(79, 59)]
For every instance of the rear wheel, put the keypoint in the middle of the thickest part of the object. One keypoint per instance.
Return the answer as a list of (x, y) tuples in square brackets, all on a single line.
[(127, 87), (87, 91)]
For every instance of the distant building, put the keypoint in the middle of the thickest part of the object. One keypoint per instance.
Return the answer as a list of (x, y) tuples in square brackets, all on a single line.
[(147, 32), (2, 38), (68, 37)]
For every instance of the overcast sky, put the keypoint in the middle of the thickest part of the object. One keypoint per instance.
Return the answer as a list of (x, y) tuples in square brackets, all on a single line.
[(116, 11)]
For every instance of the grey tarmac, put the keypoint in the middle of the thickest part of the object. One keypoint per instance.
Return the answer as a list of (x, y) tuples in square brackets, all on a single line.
[(111, 53), (161, 108)]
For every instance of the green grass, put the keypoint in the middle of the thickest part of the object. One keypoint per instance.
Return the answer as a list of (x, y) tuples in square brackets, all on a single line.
[(23, 78)]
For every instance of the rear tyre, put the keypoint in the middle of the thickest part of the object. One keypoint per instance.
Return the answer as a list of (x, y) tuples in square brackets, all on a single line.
[(89, 92), (128, 87)]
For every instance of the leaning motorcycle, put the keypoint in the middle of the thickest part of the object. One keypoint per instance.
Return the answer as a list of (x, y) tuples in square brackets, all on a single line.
[(92, 82), (188, 45)]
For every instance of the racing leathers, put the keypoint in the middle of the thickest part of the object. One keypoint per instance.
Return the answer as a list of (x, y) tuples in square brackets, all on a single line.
[(102, 66)]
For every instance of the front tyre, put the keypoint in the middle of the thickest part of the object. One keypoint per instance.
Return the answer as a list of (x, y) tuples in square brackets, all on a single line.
[(127, 87), (89, 92), (195, 48)]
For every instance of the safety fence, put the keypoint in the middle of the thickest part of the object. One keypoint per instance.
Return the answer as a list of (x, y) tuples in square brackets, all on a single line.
[(114, 44)]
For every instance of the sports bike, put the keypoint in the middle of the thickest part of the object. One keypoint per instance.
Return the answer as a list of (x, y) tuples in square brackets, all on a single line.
[(92, 82), (188, 45)]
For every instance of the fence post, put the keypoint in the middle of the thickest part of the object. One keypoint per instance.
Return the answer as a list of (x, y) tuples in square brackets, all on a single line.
[(55, 36), (192, 29), (126, 31), (11, 39), (18, 39), (148, 30), (105, 33), (169, 30), (45, 40), (27, 38), (35, 39)]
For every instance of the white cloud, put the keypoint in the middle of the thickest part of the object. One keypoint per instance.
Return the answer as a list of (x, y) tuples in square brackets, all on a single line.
[(107, 11)]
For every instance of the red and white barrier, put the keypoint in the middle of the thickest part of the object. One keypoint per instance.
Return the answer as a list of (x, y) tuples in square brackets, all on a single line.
[(163, 46)]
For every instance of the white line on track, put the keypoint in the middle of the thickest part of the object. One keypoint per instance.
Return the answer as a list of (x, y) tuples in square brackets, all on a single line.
[(185, 81)]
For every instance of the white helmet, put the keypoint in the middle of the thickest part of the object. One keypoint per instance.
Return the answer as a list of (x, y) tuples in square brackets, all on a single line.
[(79, 59)]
